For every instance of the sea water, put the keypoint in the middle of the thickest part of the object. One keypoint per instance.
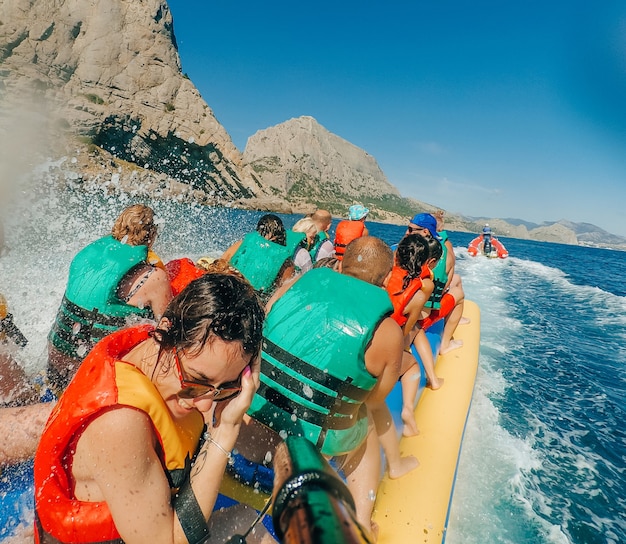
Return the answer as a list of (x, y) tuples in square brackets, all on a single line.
[(544, 455)]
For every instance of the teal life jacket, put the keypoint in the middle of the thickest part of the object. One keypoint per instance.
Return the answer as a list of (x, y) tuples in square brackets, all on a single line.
[(313, 376), (440, 276), (260, 260), (314, 250), (91, 308), (295, 241)]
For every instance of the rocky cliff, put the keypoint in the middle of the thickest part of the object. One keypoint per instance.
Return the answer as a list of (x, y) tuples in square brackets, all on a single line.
[(106, 73)]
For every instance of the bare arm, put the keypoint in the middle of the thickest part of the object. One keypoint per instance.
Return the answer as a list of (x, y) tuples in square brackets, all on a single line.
[(21, 428), (124, 470), (280, 291), (450, 261), (228, 254), (383, 359), (413, 309)]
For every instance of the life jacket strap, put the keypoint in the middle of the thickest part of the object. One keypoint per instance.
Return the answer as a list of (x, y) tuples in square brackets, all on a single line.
[(344, 388), (91, 316), (330, 421)]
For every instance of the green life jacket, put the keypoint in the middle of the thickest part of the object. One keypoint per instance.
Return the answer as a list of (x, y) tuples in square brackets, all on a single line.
[(320, 238), (91, 308), (440, 276), (313, 376), (260, 260), (295, 241)]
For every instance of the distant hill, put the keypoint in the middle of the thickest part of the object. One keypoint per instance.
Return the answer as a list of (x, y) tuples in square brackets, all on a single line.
[(517, 222), (562, 231)]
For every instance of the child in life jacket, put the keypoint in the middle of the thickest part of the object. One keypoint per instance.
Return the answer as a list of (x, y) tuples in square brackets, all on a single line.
[(409, 288)]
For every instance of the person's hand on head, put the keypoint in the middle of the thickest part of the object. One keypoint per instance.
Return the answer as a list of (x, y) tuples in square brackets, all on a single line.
[(231, 411)]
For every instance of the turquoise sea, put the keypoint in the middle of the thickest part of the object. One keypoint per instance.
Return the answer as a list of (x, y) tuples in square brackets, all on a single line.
[(544, 457)]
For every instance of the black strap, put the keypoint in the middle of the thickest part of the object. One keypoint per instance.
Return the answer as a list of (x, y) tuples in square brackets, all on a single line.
[(344, 388), (92, 316), (190, 514), (10, 329), (331, 402), (325, 421)]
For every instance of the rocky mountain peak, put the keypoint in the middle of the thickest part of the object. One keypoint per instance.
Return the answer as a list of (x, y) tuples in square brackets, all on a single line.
[(303, 160)]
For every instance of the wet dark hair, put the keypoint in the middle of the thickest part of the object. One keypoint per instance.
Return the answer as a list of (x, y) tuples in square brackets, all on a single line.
[(412, 253), (271, 227), (215, 305), (435, 249)]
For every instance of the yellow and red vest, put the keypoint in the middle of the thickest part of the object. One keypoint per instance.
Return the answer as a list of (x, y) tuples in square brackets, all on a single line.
[(102, 382)]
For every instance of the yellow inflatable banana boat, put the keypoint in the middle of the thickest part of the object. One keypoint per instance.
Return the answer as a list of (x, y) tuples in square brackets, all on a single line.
[(416, 507)]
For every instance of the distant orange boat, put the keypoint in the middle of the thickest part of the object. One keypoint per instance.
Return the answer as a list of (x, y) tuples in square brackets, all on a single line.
[(489, 246)]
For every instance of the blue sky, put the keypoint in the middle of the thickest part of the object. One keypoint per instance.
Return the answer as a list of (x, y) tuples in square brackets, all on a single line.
[(499, 109)]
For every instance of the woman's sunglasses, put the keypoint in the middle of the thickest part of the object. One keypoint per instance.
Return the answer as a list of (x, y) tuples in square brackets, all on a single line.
[(192, 390)]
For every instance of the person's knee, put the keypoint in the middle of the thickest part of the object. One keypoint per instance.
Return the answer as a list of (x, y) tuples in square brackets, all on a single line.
[(458, 294)]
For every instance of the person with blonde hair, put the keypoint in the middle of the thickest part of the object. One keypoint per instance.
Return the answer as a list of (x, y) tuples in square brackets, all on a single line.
[(110, 281), (308, 227), (302, 258), (322, 246)]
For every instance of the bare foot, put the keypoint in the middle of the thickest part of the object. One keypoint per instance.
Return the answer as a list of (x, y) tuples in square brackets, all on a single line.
[(406, 465), (437, 384), (410, 425), (374, 530), (454, 344), (464, 321)]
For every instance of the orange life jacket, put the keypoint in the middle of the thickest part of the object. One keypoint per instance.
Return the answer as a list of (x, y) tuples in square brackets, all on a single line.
[(427, 273), (102, 382), (400, 298), (346, 232)]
